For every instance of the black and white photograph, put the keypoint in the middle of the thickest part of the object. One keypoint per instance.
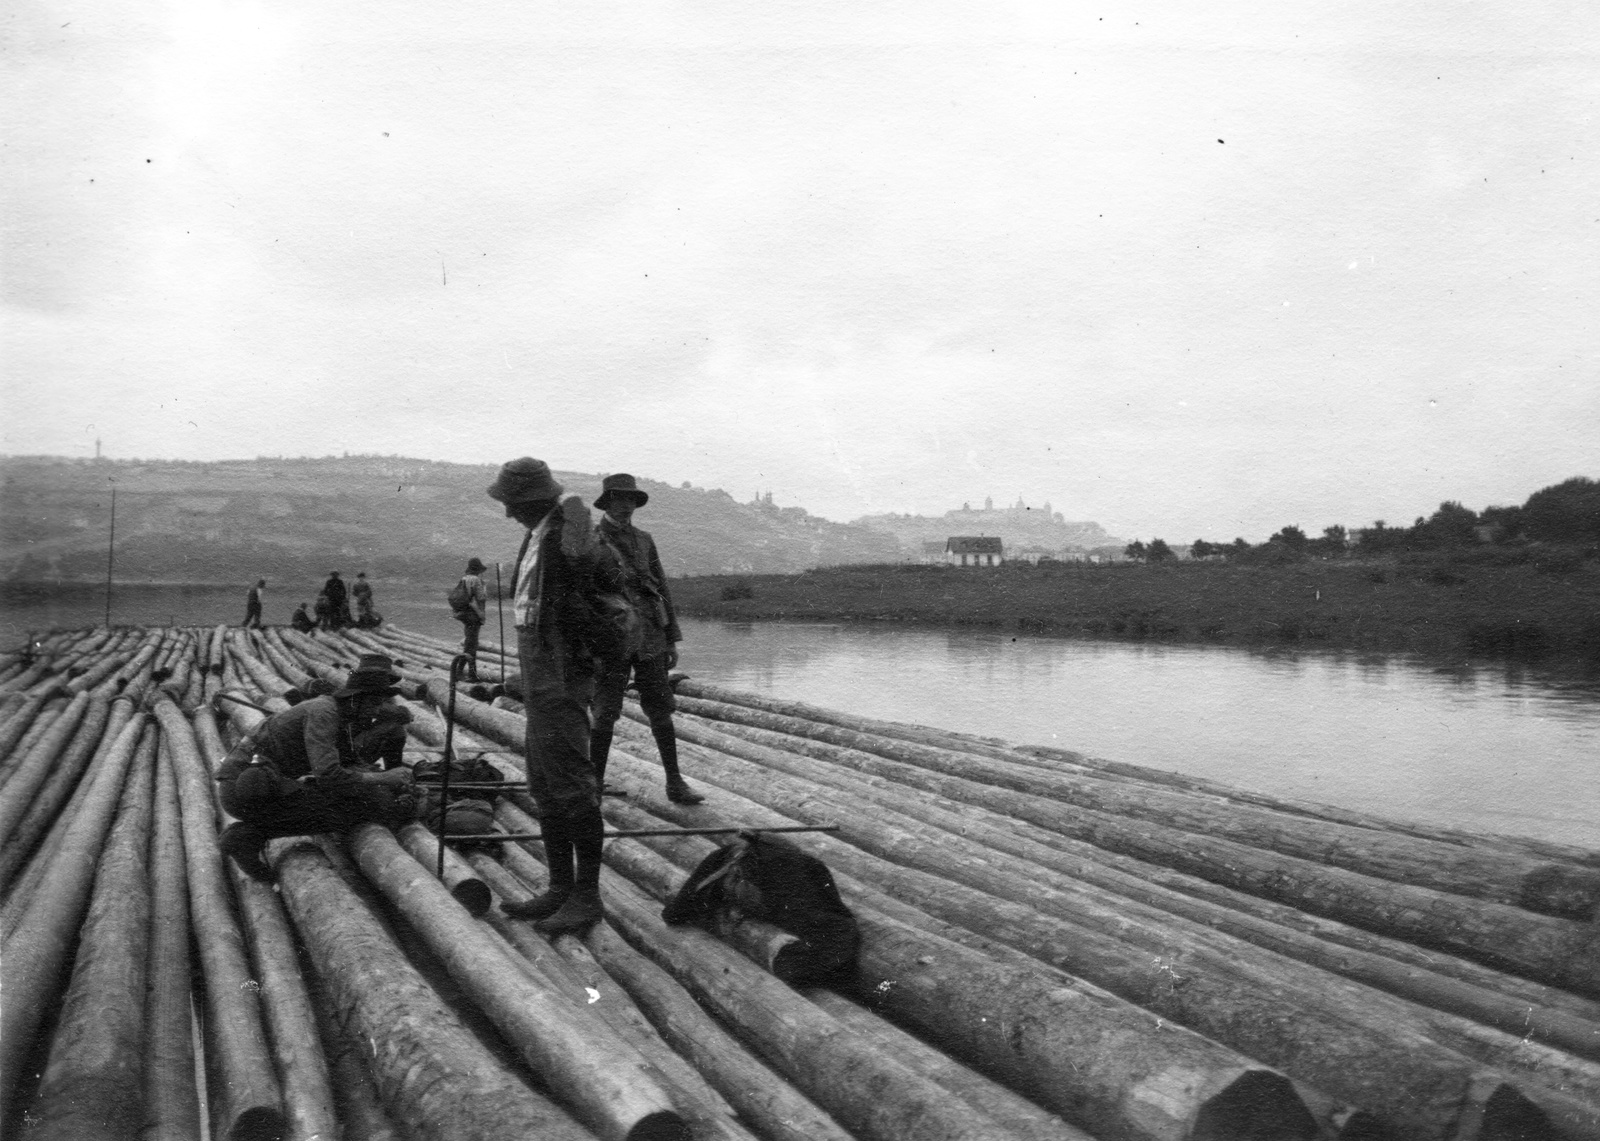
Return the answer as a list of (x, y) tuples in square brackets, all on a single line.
[(800, 572)]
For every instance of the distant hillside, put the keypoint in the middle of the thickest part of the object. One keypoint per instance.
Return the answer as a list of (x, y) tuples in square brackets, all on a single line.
[(1017, 526), (395, 518)]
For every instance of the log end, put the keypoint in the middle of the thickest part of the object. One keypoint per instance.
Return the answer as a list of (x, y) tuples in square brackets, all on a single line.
[(473, 895), (663, 1125), (1256, 1106), (259, 1123), (1567, 891)]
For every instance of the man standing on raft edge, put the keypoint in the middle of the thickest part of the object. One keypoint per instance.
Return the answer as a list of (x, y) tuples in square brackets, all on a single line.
[(549, 589), (644, 584)]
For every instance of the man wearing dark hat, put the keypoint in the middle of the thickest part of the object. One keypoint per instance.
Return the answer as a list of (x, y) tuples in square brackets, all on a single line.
[(338, 600), (551, 588), (632, 556), (314, 767), (472, 615)]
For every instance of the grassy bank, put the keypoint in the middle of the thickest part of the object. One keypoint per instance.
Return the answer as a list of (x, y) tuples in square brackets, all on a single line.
[(1487, 602)]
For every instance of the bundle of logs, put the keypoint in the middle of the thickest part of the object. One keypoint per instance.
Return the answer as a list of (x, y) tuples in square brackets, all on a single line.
[(1054, 946)]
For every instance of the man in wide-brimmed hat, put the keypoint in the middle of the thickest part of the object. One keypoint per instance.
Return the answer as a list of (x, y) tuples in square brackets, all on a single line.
[(550, 590), (635, 564), (313, 767)]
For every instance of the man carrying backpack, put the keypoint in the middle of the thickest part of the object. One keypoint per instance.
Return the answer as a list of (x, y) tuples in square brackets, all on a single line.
[(552, 588), (469, 602), (631, 555)]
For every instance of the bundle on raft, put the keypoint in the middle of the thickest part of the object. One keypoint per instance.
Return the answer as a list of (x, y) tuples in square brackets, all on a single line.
[(1054, 948)]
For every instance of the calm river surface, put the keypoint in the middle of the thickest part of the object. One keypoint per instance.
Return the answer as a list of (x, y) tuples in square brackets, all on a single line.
[(1483, 746)]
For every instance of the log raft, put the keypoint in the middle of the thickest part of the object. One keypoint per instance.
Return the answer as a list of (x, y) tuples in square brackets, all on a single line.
[(1055, 947)]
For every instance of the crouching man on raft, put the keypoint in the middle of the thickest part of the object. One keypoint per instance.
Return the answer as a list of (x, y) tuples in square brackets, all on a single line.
[(550, 592), (316, 767)]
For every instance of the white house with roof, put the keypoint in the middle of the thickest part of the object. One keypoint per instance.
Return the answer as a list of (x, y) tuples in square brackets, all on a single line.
[(974, 550)]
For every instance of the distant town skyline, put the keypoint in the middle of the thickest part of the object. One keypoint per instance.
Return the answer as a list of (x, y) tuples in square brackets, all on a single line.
[(1184, 270)]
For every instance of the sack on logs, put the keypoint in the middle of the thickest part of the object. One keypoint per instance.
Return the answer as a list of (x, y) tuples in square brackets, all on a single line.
[(469, 811), (765, 878)]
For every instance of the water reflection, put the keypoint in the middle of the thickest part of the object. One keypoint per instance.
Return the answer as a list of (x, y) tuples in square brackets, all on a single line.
[(1465, 744)]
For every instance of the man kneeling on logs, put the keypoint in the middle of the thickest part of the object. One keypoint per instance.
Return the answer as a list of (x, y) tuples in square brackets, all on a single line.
[(315, 767)]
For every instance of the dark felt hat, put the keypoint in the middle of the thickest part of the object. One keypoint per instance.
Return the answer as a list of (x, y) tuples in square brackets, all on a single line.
[(475, 565), (620, 484), (374, 673), (524, 481)]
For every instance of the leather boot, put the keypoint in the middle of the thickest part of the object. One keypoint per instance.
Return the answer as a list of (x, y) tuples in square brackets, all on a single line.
[(678, 791), (581, 908), (599, 755), (243, 842), (558, 857)]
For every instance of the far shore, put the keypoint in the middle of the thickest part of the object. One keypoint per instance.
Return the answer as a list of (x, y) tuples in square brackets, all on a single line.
[(1474, 603)]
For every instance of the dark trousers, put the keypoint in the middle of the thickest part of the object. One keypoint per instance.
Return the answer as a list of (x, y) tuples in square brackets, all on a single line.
[(655, 691), (276, 806), (252, 613), (556, 691), (469, 638)]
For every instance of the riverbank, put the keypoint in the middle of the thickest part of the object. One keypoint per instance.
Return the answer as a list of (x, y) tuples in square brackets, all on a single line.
[(1436, 604)]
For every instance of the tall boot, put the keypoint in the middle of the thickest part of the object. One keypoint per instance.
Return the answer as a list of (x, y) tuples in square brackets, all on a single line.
[(582, 907), (678, 790), (558, 857), (244, 843), (600, 751)]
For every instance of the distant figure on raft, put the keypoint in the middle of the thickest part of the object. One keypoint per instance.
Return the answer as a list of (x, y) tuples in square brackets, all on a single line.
[(302, 621), (636, 568), (252, 605), (317, 767), (366, 616), (338, 602), (469, 602)]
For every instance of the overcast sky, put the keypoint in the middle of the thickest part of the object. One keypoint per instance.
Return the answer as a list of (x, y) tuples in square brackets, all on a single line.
[(1183, 269)]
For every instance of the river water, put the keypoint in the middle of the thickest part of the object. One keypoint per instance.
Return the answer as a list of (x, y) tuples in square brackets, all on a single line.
[(1485, 746)]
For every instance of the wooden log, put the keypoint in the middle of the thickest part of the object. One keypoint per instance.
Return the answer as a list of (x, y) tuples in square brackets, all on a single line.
[(433, 1074), (1352, 1041), (248, 1099), (762, 1097), (171, 1105), (1558, 952), (1546, 886), (214, 650), (29, 679), (41, 862), (36, 951), (1470, 991), (576, 974), (18, 720), (608, 1084), (873, 1096), (361, 1111), (53, 708), (36, 765), (19, 841), (1019, 1117), (1130, 1076), (465, 885), (93, 1081)]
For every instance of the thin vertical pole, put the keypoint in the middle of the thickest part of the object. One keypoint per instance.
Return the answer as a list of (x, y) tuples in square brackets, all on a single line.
[(111, 551), (500, 605)]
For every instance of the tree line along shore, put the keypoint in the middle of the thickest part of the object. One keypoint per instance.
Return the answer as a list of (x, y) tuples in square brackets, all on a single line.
[(1492, 602)]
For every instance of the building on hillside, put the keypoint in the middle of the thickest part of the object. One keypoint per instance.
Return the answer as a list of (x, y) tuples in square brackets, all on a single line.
[(974, 550), (933, 551)]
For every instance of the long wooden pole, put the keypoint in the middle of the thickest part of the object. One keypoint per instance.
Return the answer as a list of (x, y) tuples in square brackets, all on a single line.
[(432, 1072), (608, 1084), (111, 548), (172, 1108), (247, 1096), (93, 1082), (35, 954)]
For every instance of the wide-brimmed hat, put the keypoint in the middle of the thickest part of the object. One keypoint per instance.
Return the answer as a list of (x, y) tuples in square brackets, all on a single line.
[(524, 481), (620, 484), (475, 565), (374, 673)]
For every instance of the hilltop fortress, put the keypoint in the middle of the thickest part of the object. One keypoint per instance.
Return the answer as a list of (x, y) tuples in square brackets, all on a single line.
[(1019, 526)]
